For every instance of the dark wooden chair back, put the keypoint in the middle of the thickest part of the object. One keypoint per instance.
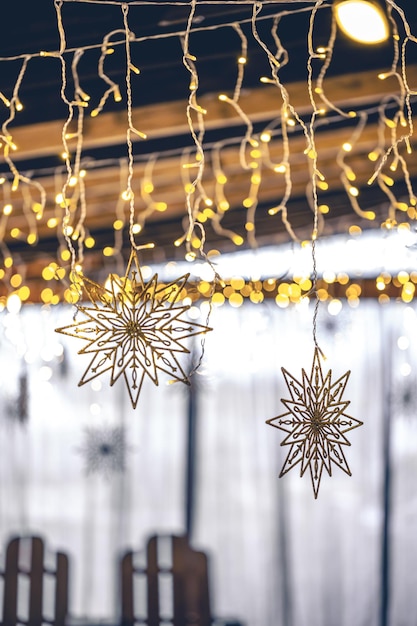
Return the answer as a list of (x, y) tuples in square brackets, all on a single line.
[(167, 583), (35, 584)]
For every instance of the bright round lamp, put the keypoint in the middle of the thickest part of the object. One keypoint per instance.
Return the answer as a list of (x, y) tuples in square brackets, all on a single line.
[(362, 20)]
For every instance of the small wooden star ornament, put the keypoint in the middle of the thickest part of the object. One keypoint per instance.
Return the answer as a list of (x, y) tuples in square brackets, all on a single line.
[(315, 423), (134, 329)]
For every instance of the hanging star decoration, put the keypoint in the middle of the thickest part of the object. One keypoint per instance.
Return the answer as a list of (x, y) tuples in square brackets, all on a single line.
[(315, 423), (133, 329)]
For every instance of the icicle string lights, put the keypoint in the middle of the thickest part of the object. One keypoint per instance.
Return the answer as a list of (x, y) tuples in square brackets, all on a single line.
[(274, 150)]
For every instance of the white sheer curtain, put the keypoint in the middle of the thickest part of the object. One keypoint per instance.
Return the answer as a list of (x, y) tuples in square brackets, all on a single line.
[(282, 558), (45, 487), (277, 556)]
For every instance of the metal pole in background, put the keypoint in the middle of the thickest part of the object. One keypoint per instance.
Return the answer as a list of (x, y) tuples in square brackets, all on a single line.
[(386, 344), (191, 454)]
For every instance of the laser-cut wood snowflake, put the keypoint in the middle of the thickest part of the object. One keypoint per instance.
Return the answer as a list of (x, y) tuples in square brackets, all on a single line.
[(315, 423), (134, 329)]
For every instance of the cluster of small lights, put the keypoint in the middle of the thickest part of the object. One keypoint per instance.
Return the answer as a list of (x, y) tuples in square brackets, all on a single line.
[(234, 291)]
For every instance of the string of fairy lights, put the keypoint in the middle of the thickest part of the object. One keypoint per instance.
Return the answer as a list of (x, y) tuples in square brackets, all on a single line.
[(206, 196)]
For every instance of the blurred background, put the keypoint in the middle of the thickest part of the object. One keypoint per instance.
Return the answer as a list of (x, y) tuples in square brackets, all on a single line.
[(93, 476)]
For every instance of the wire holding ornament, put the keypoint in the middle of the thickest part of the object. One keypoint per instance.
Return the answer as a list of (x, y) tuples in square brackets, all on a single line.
[(66, 220), (315, 173), (130, 130)]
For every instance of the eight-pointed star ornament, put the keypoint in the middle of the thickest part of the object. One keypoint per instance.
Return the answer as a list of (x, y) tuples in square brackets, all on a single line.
[(315, 423), (134, 329)]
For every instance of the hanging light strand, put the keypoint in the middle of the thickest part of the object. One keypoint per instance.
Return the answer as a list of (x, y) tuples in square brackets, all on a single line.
[(130, 129), (312, 154), (66, 220)]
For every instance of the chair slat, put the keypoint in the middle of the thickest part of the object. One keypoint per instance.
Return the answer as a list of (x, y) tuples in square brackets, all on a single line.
[(34, 572), (189, 572)]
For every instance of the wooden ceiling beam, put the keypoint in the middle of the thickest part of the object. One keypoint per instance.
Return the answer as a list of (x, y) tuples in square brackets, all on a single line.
[(169, 119)]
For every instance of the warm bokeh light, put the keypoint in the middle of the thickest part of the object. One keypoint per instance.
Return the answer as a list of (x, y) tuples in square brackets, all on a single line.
[(362, 20)]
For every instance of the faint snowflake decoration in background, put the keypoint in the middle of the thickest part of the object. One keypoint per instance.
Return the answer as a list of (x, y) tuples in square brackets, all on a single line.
[(104, 450), (333, 324), (404, 400)]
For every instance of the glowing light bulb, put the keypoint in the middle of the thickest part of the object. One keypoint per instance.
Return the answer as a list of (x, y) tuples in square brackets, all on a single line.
[(362, 20)]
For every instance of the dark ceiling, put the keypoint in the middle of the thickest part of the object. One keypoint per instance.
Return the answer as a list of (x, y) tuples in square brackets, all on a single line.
[(163, 76)]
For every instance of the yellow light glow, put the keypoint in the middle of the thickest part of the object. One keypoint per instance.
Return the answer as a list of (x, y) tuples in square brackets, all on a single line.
[(237, 240), (237, 282), (342, 278), (362, 20), (265, 137), (148, 187), (403, 277), (24, 293), (125, 195), (204, 287), (373, 156), (16, 280), (65, 255), (256, 297), (48, 273), (7, 209), (236, 300), (281, 168), (387, 180), (282, 300), (350, 174), (322, 295), (355, 230), (353, 291), (218, 299)]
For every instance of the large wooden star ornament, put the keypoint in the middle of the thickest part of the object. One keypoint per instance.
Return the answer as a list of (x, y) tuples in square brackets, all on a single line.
[(134, 329), (315, 423)]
